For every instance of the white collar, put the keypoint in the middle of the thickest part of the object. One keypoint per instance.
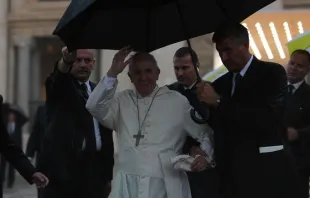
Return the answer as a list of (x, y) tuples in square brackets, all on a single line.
[(87, 83), (189, 87), (151, 95), (246, 67), (296, 85)]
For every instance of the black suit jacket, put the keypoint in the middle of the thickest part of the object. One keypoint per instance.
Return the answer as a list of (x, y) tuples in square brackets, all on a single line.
[(297, 115), (13, 154), (68, 124), (250, 119), (37, 134)]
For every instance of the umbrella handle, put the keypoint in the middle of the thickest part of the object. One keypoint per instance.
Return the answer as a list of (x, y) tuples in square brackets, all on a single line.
[(185, 30), (193, 112)]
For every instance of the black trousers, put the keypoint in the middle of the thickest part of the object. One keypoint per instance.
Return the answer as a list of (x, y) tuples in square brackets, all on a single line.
[(11, 173), (86, 179), (304, 184), (204, 184)]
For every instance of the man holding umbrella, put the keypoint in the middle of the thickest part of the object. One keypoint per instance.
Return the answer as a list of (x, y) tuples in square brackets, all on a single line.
[(251, 157)]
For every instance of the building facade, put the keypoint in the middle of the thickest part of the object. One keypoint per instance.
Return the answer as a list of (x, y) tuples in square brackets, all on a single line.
[(28, 51)]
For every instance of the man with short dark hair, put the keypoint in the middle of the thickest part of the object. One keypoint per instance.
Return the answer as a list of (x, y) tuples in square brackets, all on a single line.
[(203, 184), (251, 157), (297, 115)]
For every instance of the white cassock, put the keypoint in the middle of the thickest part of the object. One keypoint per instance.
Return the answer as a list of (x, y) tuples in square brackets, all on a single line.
[(145, 171)]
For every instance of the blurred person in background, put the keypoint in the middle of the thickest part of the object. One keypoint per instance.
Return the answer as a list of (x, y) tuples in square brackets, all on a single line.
[(297, 116), (15, 132), (15, 156), (15, 119)]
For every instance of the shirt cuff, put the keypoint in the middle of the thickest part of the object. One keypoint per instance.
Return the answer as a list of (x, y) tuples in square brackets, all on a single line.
[(109, 82)]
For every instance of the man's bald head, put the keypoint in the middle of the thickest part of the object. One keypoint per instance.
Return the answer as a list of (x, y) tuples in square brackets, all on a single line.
[(83, 64)]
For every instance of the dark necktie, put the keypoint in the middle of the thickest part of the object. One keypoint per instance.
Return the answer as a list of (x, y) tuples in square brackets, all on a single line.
[(89, 138), (290, 92), (237, 80), (290, 89), (84, 91)]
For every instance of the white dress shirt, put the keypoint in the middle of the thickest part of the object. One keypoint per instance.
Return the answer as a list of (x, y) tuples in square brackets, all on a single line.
[(96, 123), (296, 85), (242, 73)]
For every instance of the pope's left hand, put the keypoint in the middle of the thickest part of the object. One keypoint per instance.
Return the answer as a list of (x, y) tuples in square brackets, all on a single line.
[(40, 180), (199, 164)]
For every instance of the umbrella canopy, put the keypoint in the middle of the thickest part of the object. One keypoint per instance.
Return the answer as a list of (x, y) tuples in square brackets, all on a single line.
[(21, 117), (146, 25), (301, 41)]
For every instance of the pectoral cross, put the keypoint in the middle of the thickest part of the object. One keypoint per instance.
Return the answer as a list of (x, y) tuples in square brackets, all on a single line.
[(138, 137)]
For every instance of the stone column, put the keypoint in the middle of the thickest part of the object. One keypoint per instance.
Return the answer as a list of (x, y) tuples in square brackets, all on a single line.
[(95, 76), (3, 48), (23, 72), (217, 62), (35, 74), (204, 48)]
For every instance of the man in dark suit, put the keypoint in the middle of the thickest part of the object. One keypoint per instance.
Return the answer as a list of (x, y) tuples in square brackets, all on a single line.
[(249, 150), (203, 184), (297, 115), (14, 155), (77, 152), (36, 137)]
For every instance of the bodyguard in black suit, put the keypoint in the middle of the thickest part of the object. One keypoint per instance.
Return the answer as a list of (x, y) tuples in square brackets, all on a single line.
[(77, 151), (250, 154), (203, 184), (297, 115)]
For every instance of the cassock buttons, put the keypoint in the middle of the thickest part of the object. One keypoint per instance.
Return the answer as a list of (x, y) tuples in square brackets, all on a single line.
[(148, 124)]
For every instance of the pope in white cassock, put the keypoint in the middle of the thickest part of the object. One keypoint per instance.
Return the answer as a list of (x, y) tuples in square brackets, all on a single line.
[(151, 124)]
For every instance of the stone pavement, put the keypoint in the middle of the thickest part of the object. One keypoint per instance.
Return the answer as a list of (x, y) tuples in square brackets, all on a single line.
[(21, 189)]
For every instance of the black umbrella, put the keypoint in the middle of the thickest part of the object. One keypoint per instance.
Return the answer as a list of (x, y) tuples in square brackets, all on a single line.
[(21, 117), (147, 25)]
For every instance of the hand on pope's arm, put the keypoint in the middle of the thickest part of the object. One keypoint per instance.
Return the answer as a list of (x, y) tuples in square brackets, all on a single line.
[(40, 180)]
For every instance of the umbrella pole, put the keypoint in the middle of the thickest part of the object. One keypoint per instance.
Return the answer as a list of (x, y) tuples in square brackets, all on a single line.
[(185, 30), (194, 114)]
